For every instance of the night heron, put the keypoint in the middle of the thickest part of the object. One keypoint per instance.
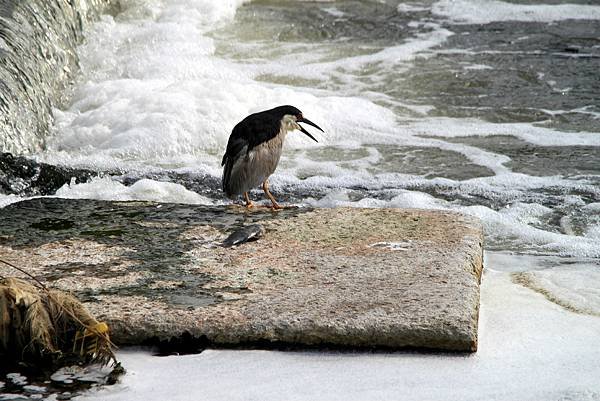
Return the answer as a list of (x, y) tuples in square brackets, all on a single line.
[(254, 149)]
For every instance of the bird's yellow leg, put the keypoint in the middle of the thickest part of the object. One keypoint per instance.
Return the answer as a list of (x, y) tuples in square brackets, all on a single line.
[(249, 203), (266, 189)]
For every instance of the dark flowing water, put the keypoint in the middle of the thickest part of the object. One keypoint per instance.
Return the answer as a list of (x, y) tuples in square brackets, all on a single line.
[(486, 107)]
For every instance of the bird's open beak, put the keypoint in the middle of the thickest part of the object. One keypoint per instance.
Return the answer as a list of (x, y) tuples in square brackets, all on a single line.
[(306, 120)]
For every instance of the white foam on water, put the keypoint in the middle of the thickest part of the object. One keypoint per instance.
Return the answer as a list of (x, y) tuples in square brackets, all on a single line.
[(593, 207), (416, 200), (477, 67), (511, 262), (507, 183), (487, 11), (153, 91), (572, 283), (153, 95), (412, 7), (535, 134), (515, 227), (334, 11), (511, 230), (106, 188), (149, 121), (402, 136), (344, 68), (576, 287), (593, 232), (6, 200), (503, 188), (579, 110), (520, 333)]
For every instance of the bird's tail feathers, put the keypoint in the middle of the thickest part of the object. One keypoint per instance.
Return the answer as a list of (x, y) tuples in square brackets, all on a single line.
[(228, 163)]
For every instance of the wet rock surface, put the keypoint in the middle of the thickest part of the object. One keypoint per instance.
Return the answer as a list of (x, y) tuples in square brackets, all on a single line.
[(316, 277), (23, 176)]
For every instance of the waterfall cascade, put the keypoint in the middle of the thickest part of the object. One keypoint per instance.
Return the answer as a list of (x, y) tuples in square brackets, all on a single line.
[(37, 63)]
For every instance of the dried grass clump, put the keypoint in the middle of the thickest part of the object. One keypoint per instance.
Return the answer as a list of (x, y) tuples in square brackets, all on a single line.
[(41, 324)]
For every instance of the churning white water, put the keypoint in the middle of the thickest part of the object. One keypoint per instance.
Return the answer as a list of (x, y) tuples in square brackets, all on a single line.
[(163, 83), (489, 108)]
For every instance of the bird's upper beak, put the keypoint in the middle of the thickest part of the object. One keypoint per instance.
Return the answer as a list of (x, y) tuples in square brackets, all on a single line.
[(306, 120)]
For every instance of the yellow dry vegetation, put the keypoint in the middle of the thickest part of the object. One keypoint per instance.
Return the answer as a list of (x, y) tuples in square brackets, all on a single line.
[(38, 322)]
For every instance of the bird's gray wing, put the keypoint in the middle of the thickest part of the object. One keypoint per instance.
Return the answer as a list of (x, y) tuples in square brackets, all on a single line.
[(236, 148)]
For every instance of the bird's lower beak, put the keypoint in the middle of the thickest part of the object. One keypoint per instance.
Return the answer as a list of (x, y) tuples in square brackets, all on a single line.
[(306, 120)]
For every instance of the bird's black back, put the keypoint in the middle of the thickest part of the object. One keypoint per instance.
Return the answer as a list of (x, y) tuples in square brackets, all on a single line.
[(255, 129)]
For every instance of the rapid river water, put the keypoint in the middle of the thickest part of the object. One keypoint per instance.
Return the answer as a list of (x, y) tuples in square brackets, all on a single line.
[(487, 107)]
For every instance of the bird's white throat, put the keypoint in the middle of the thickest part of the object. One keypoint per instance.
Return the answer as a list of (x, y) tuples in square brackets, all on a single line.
[(288, 123)]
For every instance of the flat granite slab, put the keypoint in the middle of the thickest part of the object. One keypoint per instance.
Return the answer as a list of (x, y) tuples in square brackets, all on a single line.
[(336, 277)]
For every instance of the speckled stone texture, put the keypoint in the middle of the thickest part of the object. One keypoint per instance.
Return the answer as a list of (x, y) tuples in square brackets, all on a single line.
[(344, 277)]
